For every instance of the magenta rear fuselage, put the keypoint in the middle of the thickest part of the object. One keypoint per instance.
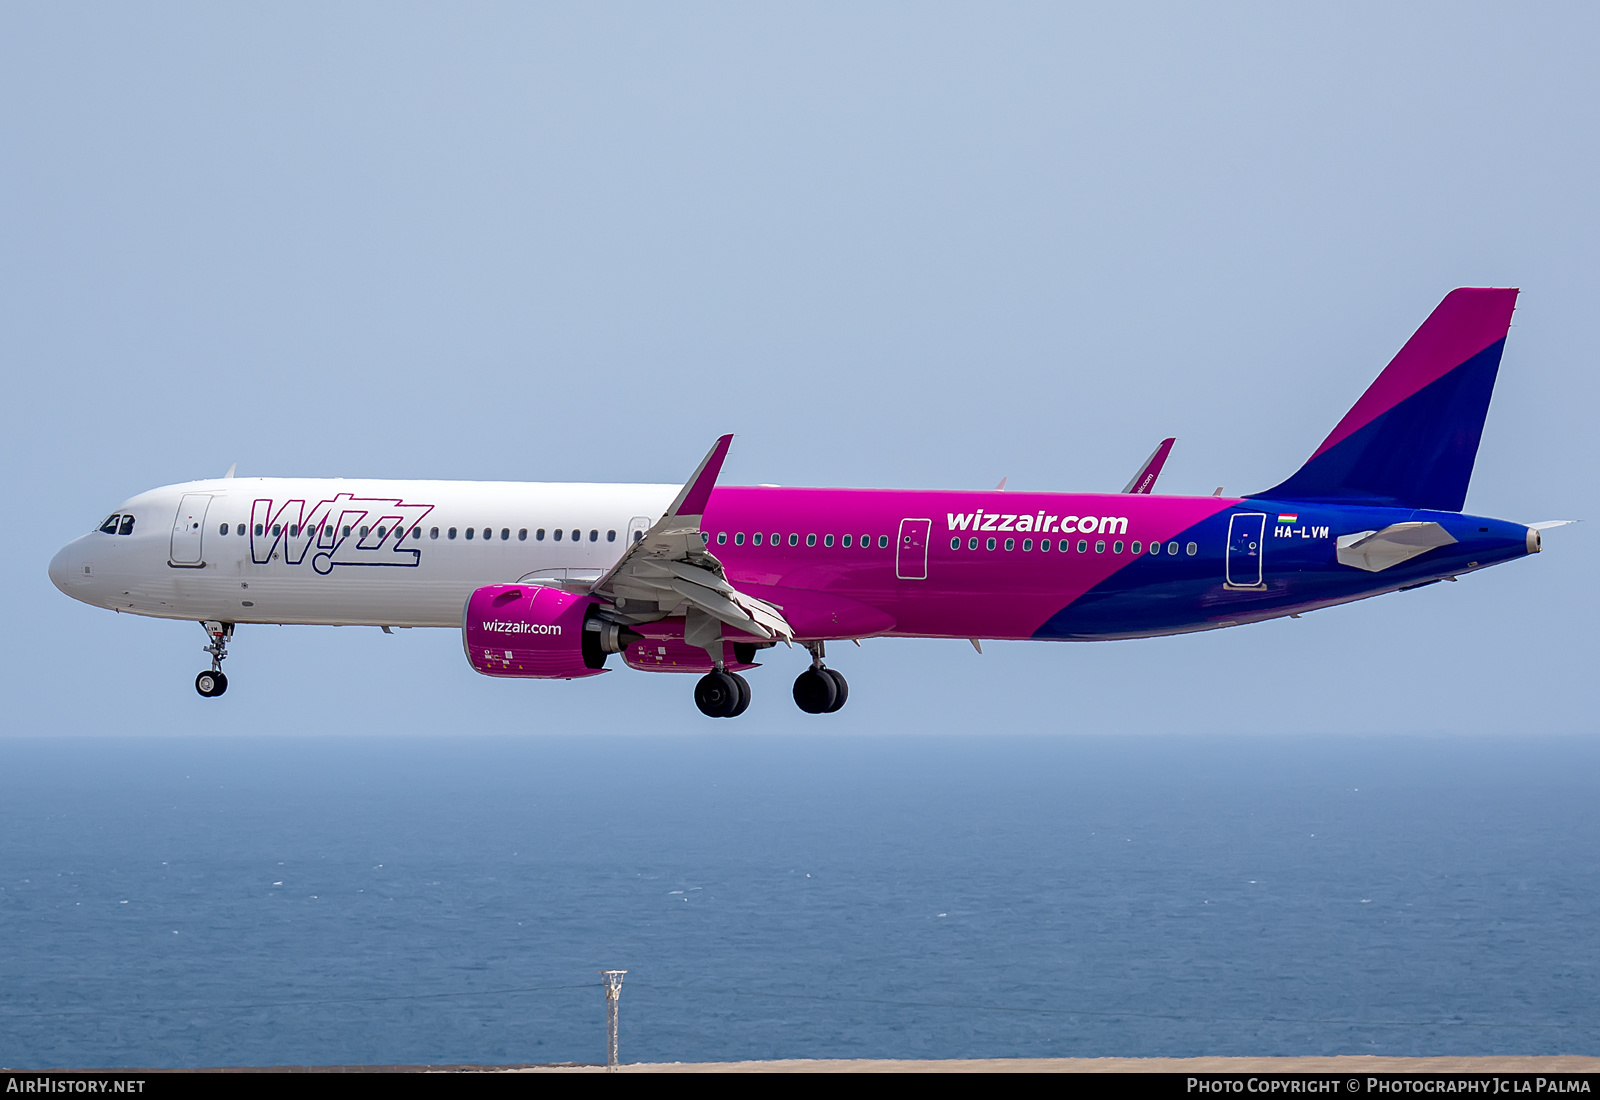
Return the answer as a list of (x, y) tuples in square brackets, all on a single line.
[(868, 562)]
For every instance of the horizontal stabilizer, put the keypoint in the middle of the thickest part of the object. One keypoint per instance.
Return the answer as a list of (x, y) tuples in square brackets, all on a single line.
[(1145, 480), (1546, 524), (1376, 551)]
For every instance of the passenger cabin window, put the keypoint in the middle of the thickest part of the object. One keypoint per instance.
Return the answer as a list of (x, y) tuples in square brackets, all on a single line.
[(827, 540), (505, 534), (755, 539), (434, 533), (594, 536), (611, 536), (224, 530), (576, 535), (538, 536), (637, 535), (522, 535), (722, 538), (738, 539), (955, 544), (1027, 544), (883, 542), (239, 530), (845, 542), (450, 534), (811, 540), (1192, 549), (558, 534)]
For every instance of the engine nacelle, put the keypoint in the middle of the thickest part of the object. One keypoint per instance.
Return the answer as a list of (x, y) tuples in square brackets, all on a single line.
[(528, 630)]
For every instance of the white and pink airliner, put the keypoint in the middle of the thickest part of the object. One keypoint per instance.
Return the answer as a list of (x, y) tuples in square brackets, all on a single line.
[(547, 581)]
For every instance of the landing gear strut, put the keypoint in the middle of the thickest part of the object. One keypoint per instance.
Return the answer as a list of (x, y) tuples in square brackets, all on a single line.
[(213, 683), (722, 694), (820, 690)]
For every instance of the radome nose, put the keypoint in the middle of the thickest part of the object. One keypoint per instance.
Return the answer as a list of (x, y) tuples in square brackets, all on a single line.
[(61, 567)]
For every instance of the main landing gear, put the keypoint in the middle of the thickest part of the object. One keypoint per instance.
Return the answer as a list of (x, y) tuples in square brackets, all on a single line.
[(820, 690), (213, 683), (722, 694)]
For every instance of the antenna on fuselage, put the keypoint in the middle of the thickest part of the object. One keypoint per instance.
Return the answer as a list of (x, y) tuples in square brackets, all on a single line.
[(232, 468)]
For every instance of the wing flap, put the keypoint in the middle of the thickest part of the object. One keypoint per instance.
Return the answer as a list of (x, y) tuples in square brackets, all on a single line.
[(670, 566)]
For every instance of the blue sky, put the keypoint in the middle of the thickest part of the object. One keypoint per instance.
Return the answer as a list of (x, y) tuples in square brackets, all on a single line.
[(896, 245)]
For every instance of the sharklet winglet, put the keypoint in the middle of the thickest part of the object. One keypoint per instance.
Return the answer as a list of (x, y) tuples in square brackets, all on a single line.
[(1145, 480)]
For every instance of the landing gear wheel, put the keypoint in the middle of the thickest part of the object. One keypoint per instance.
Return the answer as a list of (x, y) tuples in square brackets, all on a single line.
[(815, 692), (744, 695), (717, 694), (839, 683), (211, 684)]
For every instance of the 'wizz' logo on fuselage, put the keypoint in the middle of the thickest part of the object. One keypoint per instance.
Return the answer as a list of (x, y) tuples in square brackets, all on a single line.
[(346, 530)]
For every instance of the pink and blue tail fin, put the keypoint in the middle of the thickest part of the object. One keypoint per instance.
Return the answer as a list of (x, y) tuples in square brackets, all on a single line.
[(1412, 438)]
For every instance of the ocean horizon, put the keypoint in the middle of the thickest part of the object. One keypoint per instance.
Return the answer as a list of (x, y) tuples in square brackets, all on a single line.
[(215, 901)]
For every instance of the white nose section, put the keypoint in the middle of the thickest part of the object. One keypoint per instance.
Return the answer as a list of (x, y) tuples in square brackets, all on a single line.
[(61, 568)]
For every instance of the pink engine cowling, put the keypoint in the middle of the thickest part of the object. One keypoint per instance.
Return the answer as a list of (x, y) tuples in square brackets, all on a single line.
[(525, 630)]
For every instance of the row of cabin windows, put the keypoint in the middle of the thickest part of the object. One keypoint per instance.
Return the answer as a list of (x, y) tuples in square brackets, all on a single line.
[(117, 525), (485, 533), (1065, 546), (776, 539)]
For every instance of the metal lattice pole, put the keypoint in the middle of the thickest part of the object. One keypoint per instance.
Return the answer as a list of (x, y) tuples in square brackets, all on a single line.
[(613, 983)]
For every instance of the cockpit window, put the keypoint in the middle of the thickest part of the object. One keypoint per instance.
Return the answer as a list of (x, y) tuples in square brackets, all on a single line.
[(126, 526), (109, 527)]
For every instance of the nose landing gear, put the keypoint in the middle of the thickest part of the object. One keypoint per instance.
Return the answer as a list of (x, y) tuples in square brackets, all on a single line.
[(213, 683), (820, 690)]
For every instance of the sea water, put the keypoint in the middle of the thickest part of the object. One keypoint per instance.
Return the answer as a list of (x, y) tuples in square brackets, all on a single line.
[(362, 901)]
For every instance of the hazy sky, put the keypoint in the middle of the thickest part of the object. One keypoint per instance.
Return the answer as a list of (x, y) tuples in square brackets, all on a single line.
[(891, 245)]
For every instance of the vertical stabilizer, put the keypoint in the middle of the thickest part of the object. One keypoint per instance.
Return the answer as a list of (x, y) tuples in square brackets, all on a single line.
[(1412, 438)]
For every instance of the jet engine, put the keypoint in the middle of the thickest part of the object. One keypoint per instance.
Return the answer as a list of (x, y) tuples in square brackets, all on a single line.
[(527, 630)]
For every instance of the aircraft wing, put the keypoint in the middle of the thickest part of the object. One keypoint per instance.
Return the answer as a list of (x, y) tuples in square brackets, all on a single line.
[(1145, 479), (670, 571)]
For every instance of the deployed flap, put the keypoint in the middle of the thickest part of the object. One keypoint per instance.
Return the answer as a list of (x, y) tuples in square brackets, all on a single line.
[(1145, 479), (670, 572), (1376, 551)]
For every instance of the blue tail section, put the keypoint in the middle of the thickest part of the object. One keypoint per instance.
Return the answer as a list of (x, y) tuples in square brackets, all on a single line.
[(1412, 439)]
